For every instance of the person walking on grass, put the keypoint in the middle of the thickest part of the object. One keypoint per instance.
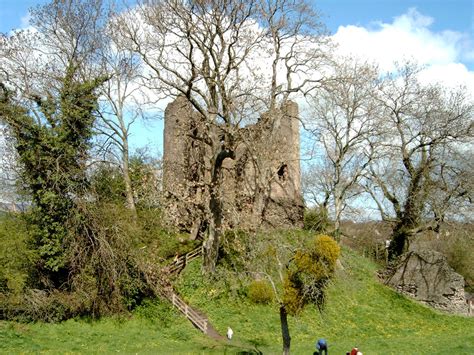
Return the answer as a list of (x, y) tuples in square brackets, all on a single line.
[(230, 333), (321, 346)]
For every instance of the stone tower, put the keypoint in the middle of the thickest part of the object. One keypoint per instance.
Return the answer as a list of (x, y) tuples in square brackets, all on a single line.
[(178, 163), (260, 187), (286, 207)]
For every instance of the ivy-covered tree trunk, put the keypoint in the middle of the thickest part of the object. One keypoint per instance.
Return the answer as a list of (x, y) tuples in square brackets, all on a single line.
[(410, 218), (52, 153)]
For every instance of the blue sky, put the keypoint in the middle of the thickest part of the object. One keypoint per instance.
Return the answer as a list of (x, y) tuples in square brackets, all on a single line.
[(438, 33), (455, 15), (12, 12), (449, 14)]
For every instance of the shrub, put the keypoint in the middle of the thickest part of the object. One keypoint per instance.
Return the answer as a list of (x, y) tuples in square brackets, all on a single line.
[(260, 292), (105, 268), (326, 250), (316, 219), (107, 183), (156, 311), (37, 305), (293, 298), (15, 258), (311, 269), (319, 258), (104, 260)]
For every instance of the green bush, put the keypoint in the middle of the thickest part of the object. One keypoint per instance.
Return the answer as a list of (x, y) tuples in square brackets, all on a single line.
[(319, 258), (460, 255), (15, 257), (157, 312), (37, 305), (309, 272), (108, 184), (293, 297), (260, 292), (103, 254), (109, 271), (316, 219)]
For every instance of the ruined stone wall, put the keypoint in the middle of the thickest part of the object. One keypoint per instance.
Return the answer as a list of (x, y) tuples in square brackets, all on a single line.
[(181, 162), (285, 193), (427, 277), (260, 187)]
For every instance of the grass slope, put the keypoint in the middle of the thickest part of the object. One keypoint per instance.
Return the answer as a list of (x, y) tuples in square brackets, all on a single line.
[(359, 311)]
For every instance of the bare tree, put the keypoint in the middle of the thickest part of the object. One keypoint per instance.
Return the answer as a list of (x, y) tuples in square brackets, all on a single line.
[(344, 118), (65, 35), (451, 199), (216, 54), (298, 47), (415, 178), (122, 103)]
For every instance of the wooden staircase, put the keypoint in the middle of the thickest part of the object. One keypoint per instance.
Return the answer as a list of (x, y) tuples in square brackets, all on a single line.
[(175, 268), (199, 321), (162, 286)]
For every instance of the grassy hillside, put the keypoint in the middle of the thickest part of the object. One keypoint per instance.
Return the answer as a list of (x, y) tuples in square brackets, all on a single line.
[(359, 311)]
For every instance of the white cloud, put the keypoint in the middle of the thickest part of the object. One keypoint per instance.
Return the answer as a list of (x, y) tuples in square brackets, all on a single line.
[(409, 37), (451, 74)]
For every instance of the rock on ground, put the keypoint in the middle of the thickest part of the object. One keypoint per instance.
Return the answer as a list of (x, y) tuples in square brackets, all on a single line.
[(427, 277)]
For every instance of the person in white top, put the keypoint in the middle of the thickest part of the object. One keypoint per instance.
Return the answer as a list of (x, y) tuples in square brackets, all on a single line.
[(230, 332)]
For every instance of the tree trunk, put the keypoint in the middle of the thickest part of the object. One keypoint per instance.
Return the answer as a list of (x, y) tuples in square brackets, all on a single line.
[(211, 249), (212, 243), (337, 219), (399, 243), (285, 331), (130, 202), (259, 205)]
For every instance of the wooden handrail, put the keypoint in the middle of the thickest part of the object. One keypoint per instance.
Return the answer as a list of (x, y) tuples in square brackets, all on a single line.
[(184, 259), (191, 314), (163, 287)]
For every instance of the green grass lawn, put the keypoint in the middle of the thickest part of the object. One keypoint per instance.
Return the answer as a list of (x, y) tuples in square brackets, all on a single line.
[(359, 311)]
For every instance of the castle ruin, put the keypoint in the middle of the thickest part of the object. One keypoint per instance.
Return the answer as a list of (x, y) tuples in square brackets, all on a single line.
[(259, 188)]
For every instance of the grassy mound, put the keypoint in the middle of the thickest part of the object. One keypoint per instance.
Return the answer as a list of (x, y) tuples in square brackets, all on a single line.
[(359, 312)]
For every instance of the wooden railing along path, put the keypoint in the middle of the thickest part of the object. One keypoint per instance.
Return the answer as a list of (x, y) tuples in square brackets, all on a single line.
[(178, 264), (198, 320), (162, 286)]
